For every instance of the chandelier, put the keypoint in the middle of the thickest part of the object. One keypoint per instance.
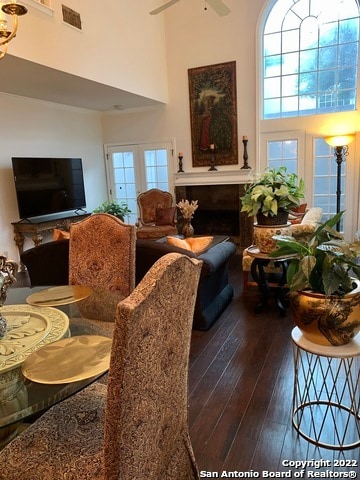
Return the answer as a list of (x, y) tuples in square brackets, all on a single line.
[(6, 35)]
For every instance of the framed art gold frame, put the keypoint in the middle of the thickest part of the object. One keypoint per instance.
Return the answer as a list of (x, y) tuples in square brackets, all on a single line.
[(213, 114)]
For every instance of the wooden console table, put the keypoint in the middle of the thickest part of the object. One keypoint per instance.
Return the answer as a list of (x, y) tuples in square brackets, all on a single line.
[(35, 228)]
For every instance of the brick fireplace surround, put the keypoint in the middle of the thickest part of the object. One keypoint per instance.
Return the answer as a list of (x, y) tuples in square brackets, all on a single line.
[(218, 195)]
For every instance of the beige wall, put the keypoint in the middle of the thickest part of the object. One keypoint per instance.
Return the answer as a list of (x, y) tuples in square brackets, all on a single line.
[(194, 38), (120, 44), (34, 128)]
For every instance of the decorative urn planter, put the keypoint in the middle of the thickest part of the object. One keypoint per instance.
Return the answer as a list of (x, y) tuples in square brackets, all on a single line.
[(266, 227), (332, 320)]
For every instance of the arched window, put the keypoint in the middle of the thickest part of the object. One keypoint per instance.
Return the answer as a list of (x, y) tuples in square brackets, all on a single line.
[(310, 57)]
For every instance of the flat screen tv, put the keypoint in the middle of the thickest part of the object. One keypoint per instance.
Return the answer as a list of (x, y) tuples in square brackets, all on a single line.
[(47, 186)]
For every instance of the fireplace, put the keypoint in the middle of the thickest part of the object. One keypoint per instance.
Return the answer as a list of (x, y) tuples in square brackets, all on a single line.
[(219, 211)]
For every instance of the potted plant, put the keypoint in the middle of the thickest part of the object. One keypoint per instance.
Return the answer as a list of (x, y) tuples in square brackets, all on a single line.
[(323, 279), (273, 192), (112, 207), (270, 198)]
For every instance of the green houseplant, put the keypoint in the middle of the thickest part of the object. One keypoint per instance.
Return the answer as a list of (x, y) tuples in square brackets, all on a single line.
[(272, 192), (112, 207), (323, 279)]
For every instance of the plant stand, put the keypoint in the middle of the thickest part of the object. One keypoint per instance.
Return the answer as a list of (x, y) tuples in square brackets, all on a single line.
[(326, 401)]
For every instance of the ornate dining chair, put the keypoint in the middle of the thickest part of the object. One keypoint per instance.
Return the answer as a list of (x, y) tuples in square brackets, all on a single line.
[(157, 215), (137, 427), (102, 256)]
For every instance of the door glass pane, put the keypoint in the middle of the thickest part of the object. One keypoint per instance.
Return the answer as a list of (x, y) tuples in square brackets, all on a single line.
[(156, 169), (325, 180), (124, 178), (283, 153)]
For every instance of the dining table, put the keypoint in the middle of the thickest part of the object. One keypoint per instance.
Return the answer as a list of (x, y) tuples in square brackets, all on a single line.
[(57, 342)]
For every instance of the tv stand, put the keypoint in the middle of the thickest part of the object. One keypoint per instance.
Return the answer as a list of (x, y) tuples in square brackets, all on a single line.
[(79, 211), (36, 226)]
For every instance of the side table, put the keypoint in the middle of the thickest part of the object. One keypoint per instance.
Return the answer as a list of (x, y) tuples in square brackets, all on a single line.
[(261, 260), (326, 400), (36, 227)]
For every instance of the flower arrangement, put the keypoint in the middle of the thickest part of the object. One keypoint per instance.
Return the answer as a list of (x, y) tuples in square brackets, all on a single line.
[(187, 208)]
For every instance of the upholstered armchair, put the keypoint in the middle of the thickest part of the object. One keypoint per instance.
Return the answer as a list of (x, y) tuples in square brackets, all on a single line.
[(136, 427), (157, 215), (301, 231)]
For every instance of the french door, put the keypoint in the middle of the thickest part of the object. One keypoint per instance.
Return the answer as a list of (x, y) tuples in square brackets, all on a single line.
[(132, 169)]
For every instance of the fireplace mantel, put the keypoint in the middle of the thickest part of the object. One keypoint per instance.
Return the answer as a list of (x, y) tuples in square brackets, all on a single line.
[(222, 177), (219, 206)]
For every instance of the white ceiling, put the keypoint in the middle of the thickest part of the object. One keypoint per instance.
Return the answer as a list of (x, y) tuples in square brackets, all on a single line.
[(27, 79)]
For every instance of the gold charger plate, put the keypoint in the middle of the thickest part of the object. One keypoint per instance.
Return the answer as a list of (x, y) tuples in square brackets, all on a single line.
[(29, 328), (55, 296), (69, 360)]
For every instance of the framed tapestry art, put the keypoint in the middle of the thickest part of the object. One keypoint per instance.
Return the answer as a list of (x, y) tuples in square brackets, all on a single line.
[(213, 114)]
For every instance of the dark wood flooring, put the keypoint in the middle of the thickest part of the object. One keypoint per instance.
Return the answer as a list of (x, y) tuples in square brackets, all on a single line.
[(240, 395), (241, 386)]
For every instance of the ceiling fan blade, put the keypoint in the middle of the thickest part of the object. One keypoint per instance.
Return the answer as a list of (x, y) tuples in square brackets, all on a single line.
[(219, 7), (163, 7)]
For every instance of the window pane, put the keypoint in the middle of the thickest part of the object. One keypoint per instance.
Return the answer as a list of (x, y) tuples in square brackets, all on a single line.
[(272, 87), (283, 153), (119, 175), (327, 80), (325, 179), (290, 85), (327, 57), (314, 38), (290, 63), (328, 34), (308, 60), (272, 44), (272, 67), (129, 175), (118, 160), (307, 83), (274, 150), (290, 41)]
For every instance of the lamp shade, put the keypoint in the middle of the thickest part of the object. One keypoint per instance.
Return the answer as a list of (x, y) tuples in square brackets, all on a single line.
[(339, 140)]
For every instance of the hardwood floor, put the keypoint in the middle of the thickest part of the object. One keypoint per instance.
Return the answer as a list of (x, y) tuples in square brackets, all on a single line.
[(241, 386), (240, 395)]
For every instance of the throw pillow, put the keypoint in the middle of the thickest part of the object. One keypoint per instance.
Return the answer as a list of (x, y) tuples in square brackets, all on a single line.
[(60, 234), (296, 214), (194, 244), (165, 216)]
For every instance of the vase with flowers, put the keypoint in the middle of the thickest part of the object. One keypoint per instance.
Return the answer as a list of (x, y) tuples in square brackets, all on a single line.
[(187, 210)]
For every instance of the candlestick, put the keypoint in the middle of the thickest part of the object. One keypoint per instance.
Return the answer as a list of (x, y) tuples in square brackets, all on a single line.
[(180, 157), (245, 154), (212, 150)]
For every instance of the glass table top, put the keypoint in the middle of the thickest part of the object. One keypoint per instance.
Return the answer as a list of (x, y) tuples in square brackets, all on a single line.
[(21, 398)]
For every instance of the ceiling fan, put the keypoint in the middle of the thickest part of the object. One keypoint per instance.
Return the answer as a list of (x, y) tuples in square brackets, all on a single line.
[(217, 5)]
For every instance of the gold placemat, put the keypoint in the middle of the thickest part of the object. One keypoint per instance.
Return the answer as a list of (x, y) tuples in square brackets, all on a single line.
[(62, 295), (69, 360)]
